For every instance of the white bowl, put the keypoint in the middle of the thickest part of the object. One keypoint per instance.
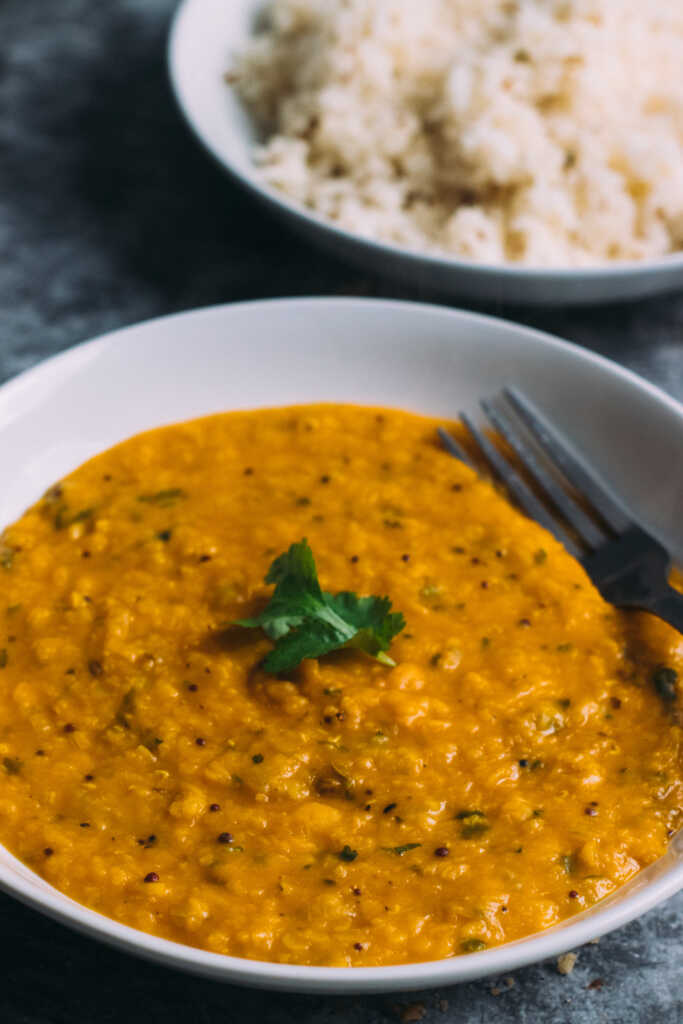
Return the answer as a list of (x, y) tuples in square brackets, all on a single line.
[(204, 37), (424, 358)]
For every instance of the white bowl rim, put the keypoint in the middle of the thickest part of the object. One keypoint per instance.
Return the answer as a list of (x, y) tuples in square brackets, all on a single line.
[(588, 925), (274, 198)]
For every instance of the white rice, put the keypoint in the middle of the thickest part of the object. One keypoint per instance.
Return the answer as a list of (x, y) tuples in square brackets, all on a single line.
[(544, 132)]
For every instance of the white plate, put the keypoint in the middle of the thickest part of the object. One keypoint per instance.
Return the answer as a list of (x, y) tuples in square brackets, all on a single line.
[(424, 358), (204, 37)]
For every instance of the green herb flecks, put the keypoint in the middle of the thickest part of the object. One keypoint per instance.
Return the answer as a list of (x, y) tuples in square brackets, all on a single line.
[(163, 498), (347, 854), (665, 679), (429, 592), (306, 622), (474, 823), (400, 850), (153, 744), (125, 710), (568, 863), (473, 945), (12, 765), (64, 517)]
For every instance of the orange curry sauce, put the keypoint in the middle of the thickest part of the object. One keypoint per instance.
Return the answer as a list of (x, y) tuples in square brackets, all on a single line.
[(515, 767)]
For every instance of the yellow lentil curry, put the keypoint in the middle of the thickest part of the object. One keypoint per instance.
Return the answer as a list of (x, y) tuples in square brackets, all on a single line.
[(517, 764)]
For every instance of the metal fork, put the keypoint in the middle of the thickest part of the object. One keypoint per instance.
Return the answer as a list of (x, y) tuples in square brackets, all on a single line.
[(627, 565)]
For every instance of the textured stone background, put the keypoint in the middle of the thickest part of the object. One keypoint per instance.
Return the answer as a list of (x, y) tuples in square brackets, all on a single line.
[(109, 214)]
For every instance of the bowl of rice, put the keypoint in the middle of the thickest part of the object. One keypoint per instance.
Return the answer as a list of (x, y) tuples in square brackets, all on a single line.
[(527, 151)]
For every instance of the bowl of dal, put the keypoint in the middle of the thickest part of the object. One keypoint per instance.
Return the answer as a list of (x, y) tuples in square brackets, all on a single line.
[(457, 763)]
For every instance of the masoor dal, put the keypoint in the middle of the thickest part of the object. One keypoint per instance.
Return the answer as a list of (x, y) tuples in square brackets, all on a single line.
[(541, 132), (516, 766)]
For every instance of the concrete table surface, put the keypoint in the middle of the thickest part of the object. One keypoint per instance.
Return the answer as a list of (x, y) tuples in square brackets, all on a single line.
[(109, 214)]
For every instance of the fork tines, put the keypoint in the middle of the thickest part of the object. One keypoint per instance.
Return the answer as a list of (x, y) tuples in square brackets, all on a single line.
[(552, 465)]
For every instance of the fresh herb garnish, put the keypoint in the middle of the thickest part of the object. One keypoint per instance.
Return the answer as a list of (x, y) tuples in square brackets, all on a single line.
[(307, 622), (347, 854)]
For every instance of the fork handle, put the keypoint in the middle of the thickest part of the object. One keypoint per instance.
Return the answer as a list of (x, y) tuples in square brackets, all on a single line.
[(669, 606)]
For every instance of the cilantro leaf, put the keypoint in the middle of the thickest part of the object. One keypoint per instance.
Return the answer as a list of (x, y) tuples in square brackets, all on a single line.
[(306, 622), (375, 624)]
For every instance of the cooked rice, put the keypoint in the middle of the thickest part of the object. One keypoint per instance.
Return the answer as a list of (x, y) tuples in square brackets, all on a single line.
[(544, 132)]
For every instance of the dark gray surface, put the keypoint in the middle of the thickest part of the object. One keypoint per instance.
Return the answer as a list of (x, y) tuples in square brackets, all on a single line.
[(109, 214)]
